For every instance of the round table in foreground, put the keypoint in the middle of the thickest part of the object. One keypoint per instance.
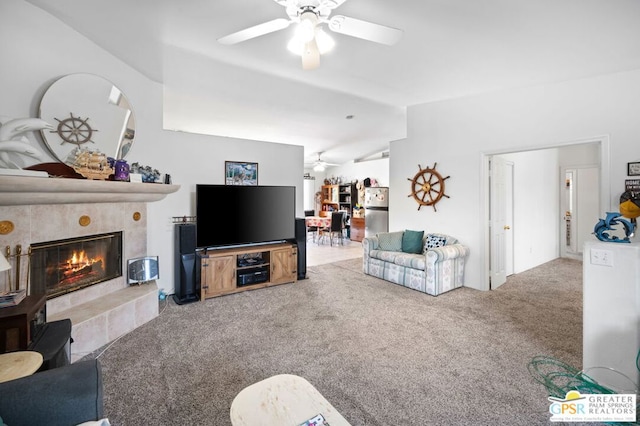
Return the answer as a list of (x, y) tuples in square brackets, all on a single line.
[(14, 365)]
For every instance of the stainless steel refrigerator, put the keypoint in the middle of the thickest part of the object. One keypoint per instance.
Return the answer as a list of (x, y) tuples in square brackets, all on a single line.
[(376, 210)]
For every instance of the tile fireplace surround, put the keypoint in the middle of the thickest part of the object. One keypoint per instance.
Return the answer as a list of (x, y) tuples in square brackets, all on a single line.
[(43, 209)]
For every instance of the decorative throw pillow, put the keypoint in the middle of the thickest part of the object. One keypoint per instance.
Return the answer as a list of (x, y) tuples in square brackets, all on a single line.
[(412, 241), (390, 241), (434, 241)]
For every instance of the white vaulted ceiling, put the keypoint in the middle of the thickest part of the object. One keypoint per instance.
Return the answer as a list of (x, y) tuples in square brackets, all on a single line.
[(258, 90)]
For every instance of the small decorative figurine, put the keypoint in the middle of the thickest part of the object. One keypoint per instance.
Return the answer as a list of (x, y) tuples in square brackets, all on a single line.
[(121, 170), (13, 140), (608, 223)]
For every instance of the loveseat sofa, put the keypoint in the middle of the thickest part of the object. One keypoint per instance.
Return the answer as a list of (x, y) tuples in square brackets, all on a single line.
[(430, 263)]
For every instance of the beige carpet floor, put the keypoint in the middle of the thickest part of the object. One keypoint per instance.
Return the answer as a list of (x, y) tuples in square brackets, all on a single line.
[(380, 353)]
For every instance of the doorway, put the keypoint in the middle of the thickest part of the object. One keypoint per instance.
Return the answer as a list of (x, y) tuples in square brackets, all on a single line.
[(538, 223)]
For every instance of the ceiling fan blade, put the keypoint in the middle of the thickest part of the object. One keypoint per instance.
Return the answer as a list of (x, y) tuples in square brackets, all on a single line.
[(365, 30), (310, 55), (255, 31)]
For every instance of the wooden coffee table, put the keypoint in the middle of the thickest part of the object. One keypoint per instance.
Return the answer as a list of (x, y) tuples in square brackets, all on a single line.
[(14, 365)]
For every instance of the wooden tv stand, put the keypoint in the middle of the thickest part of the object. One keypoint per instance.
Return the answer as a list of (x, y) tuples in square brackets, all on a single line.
[(231, 270)]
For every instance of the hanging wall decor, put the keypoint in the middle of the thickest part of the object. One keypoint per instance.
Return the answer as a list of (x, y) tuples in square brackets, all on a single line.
[(240, 173), (427, 186)]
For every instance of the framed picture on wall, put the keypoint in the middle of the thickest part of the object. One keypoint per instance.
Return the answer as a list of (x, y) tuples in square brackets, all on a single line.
[(240, 173), (633, 169)]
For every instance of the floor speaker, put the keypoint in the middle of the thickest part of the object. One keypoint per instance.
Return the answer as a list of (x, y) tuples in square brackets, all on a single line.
[(301, 241), (187, 264)]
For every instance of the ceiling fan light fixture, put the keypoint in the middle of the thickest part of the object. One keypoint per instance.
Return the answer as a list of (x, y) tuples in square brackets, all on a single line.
[(318, 168), (310, 41), (325, 41), (306, 29), (295, 46)]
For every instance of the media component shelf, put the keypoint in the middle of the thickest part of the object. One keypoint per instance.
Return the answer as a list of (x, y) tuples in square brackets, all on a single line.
[(227, 271)]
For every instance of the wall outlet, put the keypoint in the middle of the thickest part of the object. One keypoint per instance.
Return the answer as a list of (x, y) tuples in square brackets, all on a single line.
[(601, 257)]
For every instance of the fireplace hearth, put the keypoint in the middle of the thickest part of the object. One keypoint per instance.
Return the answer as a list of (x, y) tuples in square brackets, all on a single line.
[(64, 266)]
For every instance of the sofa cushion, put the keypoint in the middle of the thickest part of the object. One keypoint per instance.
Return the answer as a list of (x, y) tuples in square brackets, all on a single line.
[(412, 241), (390, 241), (434, 241), (385, 255), (411, 260)]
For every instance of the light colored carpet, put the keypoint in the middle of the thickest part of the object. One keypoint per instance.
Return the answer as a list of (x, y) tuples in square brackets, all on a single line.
[(380, 353)]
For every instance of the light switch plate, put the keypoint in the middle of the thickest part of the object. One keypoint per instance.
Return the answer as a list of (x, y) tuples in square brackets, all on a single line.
[(601, 257)]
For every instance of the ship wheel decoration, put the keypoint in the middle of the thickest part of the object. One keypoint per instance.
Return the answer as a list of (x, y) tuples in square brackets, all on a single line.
[(427, 186), (74, 130)]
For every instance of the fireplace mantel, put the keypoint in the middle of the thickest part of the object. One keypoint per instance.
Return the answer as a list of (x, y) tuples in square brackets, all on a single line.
[(26, 190)]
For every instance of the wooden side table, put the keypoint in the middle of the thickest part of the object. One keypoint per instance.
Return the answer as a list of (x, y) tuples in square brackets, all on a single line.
[(14, 365), (19, 323)]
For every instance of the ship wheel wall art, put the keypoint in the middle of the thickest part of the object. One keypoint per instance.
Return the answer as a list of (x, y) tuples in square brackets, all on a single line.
[(427, 186), (74, 130)]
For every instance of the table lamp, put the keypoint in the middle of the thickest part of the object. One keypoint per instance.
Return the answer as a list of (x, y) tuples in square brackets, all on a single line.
[(4, 264)]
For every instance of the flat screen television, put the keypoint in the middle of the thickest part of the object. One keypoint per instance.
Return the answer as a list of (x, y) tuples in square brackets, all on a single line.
[(230, 215)]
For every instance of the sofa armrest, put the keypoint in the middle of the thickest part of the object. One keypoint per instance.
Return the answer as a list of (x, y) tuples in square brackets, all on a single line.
[(67, 395), (449, 251), (369, 243)]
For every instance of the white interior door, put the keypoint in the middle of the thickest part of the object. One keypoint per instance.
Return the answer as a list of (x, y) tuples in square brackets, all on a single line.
[(508, 223), (497, 221), (581, 208), (587, 204)]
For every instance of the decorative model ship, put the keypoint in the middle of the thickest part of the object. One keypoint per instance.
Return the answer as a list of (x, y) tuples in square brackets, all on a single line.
[(90, 164)]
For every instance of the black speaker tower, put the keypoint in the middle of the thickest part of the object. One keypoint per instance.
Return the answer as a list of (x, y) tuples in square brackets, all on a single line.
[(187, 264), (301, 241)]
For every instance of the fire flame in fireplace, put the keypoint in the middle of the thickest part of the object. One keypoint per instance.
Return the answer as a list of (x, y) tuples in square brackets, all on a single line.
[(81, 264)]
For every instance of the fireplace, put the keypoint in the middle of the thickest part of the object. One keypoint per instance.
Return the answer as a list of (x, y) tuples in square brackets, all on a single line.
[(63, 266)]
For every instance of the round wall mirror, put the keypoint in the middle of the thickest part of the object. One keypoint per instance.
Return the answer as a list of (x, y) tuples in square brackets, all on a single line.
[(87, 112)]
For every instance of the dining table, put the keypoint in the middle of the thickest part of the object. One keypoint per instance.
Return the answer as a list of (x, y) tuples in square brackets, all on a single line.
[(319, 223)]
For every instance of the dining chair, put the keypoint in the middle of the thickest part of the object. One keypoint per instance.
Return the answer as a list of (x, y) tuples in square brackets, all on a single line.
[(336, 227), (346, 220), (313, 230)]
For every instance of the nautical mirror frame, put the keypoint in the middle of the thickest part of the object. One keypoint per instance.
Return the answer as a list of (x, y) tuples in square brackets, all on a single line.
[(89, 112)]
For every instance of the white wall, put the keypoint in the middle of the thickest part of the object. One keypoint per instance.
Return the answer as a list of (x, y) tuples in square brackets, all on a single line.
[(457, 133), (374, 169), (37, 49), (587, 154)]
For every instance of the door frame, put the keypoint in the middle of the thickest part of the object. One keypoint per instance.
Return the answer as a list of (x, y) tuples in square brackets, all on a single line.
[(605, 190)]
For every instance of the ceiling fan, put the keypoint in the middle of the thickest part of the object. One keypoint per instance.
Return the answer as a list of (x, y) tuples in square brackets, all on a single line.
[(310, 40), (319, 165)]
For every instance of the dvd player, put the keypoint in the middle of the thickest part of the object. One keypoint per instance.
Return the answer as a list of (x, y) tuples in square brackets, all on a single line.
[(253, 276)]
